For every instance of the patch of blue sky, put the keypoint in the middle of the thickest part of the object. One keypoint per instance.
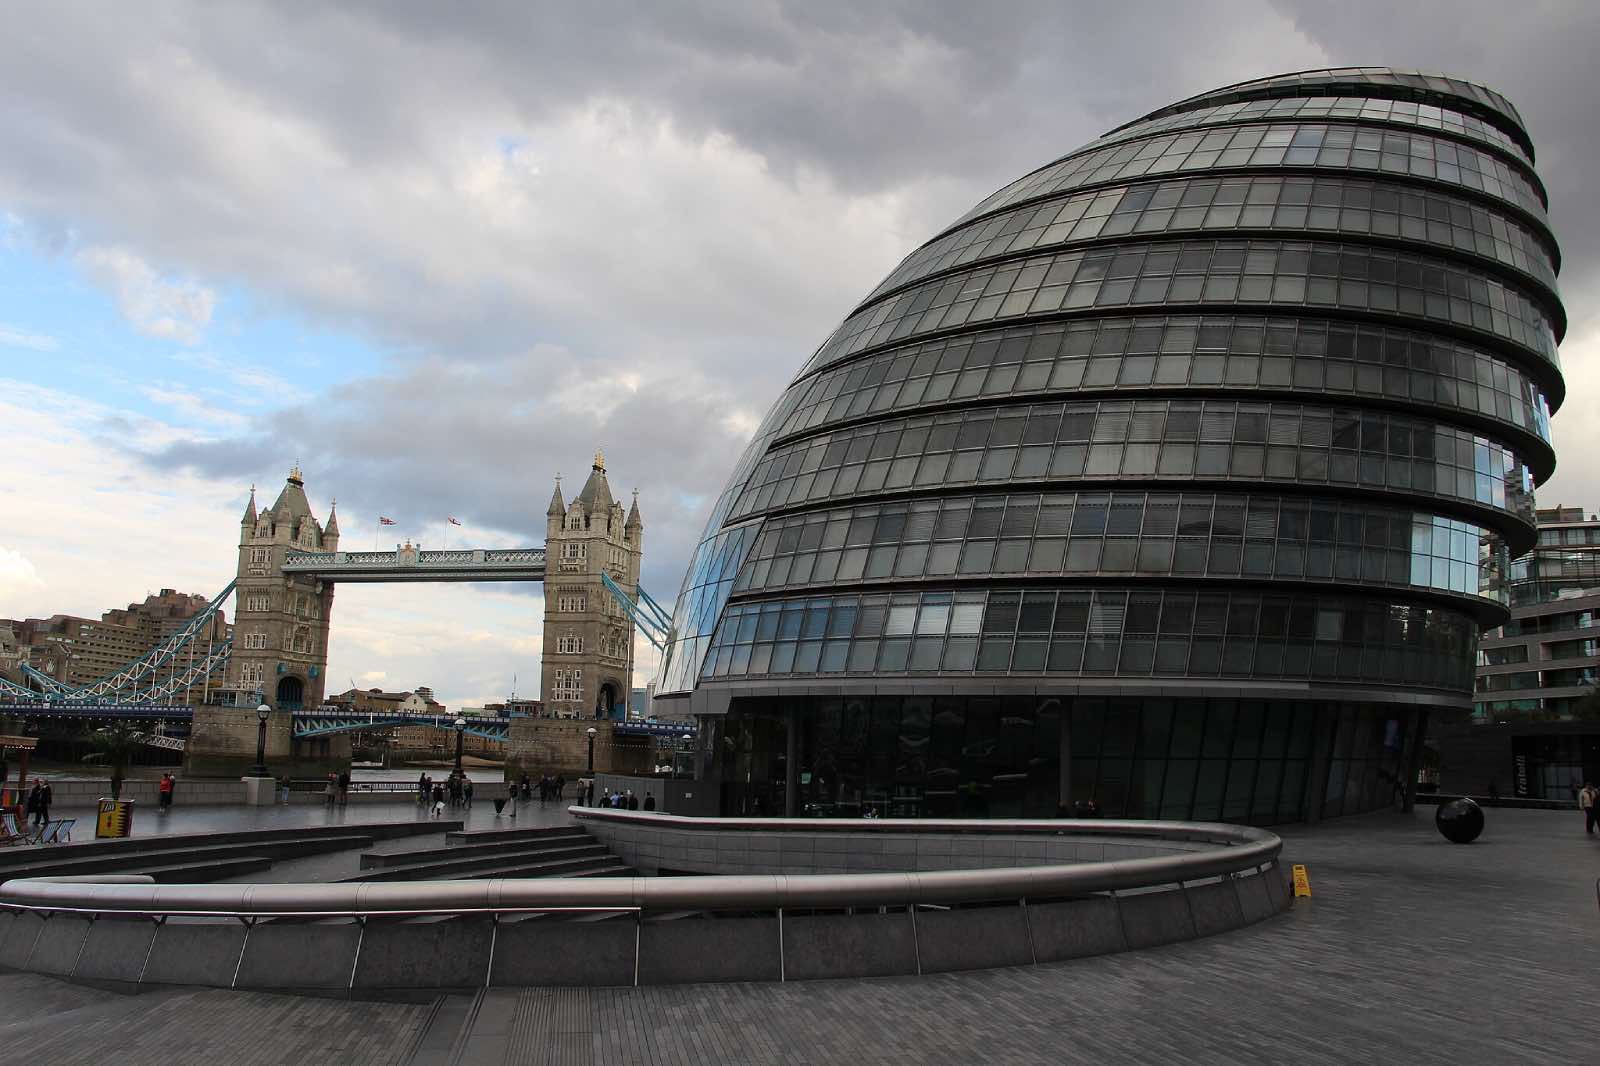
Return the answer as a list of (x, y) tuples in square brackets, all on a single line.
[(61, 331)]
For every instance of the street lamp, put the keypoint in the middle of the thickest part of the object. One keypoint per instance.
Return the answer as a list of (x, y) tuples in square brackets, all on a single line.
[(592, 732), (461, 731), (263, 712)]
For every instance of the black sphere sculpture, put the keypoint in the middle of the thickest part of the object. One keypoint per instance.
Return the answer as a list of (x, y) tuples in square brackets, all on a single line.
[(1460, 820)]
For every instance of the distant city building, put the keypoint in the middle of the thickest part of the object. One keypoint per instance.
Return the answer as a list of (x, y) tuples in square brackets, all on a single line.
[(1545, 661), (76, 650), (639, 701), (1535, 728), (588, 638)]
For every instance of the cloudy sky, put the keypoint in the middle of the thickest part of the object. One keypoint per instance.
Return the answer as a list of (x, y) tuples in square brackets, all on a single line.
[(440, 252)]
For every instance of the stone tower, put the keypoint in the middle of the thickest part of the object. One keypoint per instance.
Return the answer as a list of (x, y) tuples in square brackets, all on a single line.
[(280, 632), (588, 639)]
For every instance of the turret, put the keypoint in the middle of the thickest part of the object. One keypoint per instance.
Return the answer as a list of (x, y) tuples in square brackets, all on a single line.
[(555, 512), (635, 524), (249, 519), (330, 535)]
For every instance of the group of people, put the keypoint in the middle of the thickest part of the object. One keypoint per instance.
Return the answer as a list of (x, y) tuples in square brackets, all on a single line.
[(335, 790), (456, 790), (625, 800), (38, 804), (549, 788)]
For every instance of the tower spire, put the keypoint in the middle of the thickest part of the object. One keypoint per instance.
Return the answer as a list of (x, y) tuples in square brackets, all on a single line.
[(249, 518), (600, 460), (333, 520), (557, 507)]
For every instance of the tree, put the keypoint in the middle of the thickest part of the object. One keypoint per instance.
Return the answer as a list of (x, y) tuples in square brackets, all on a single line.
[(114, 745)]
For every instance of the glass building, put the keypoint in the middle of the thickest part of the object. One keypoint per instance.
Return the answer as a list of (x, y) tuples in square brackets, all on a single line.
[(1179, 476)]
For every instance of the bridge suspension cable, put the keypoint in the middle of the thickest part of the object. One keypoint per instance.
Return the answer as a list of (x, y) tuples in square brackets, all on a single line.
[(140, 681), (652, 620)]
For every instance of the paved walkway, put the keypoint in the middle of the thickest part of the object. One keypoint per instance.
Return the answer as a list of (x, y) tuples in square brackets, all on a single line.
[(151, 821), (1411, 950)]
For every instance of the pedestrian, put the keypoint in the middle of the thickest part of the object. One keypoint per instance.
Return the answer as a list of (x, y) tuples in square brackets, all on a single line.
[(422, 789), (35, 800), (330, 791), (561, 786), (466, 792), (649, 801), (165, 790), (344, 787), (438, 801), (283, 788), (632, 801), (1589, 803)]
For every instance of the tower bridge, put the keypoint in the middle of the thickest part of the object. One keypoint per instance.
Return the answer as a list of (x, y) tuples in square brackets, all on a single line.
[(289, 566)]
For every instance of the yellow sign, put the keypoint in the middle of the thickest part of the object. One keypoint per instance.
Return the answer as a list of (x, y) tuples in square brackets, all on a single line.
[(115, 818), (1302, 883)]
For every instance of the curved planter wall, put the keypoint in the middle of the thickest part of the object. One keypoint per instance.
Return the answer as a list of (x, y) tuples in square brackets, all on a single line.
[(1094, 888)]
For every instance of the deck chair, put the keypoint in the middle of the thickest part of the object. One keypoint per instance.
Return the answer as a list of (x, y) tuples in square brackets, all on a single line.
[(18, 831), (58, 831)]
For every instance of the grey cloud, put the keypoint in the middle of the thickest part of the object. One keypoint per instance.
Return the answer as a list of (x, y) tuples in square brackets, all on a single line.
[(315, 156)]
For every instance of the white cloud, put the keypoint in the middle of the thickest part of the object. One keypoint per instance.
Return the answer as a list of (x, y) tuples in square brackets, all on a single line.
[(176, 309), (11, 337), (17, 574), (191, 405)]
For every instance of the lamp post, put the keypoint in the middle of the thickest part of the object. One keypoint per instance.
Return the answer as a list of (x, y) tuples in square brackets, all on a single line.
[(592, 731), (263, 712), (461, 731)]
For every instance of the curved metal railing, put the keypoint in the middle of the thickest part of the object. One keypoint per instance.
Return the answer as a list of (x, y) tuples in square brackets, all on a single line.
[(1238, 849)]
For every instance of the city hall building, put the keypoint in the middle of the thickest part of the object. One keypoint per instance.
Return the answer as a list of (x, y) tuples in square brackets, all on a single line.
[(1178, 476)]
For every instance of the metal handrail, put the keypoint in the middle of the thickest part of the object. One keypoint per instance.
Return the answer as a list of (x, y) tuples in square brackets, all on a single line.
[(1242, 850)]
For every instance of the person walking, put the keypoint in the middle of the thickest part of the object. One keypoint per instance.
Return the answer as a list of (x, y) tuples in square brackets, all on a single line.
[(466, 792), (283, 789), (330, 790), (35, 800), (649, 801), (344, 787), (164, 789), (438, 800), (422, 789), (1589, 803)]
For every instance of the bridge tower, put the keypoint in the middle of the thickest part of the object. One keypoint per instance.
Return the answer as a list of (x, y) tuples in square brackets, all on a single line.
[(587, 668), (280, 628), (280, 642)]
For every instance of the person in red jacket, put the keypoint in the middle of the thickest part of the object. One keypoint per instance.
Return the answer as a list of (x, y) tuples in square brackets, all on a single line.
[(165, 788)]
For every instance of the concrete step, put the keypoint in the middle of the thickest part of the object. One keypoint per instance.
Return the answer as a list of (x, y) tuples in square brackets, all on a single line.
[(541, 864), (22, 856), (189, 873), (64, 861), (490, 836), (379, 860)]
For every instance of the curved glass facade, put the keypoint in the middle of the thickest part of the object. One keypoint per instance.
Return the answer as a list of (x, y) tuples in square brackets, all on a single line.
[(1177, 477)]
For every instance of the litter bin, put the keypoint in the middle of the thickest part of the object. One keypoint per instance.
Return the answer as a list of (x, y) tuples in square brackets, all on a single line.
[(114, 818)]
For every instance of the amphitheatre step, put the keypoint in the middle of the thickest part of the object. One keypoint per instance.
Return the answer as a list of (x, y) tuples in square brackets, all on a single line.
[(490, 836), (376, 831), (65, 861), (188, 873), (530, 864), (377, 860)]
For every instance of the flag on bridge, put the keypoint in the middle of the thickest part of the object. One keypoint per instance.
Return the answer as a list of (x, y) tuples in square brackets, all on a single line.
[(452, 521), (382, 521)]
